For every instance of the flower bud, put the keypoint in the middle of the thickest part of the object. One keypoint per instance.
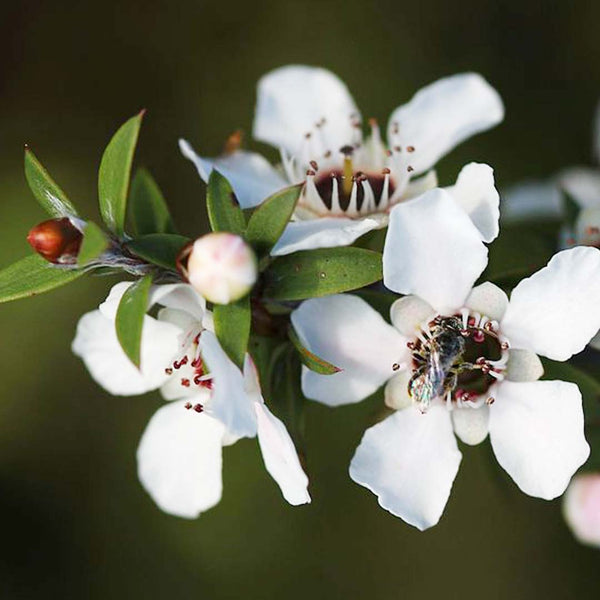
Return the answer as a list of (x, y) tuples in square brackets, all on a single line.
[(221, 267), (581, 508), (57, 240)]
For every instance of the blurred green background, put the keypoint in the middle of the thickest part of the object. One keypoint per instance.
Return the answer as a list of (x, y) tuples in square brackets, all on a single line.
[(74, 522)]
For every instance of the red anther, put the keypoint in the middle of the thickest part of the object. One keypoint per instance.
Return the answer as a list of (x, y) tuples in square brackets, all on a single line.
[(169, 371), (410, 148), (410, 345), (327, 154), (490, 400), (314, 165), (188, 405), (410, 169), (56, 240), (481, 360), (197, 339), (179, 364), (489, 326), (395, 367), (504, 346), (207, 383), (185, 382), (386, 171), (198, 408), (197, 363), (198, 379), (310, 173), (465, 332), (397, 148), (485, 369), (308, 135), (471, 321), (478, 336), (388, 153)]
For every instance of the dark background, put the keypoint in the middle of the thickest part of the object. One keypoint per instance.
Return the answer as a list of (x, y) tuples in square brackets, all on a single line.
[(74, 523)]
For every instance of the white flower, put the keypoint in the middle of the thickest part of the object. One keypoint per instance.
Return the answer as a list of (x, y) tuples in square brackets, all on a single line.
[(581, 508), (351, 183), (221, 267), (213, 403), (456, 358)]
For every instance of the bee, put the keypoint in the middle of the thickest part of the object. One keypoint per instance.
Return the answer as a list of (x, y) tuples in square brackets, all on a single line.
[(439, 358)]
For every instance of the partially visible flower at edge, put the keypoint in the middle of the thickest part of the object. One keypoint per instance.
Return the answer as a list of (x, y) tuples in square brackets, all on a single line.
[(212, 404), (351, 183), (434, 254), (581, 508)]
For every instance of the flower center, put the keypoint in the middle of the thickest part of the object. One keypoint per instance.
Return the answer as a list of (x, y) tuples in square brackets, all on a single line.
[(456, 358)]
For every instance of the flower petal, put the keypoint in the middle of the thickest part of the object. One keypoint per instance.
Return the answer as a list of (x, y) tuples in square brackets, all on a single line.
[(322, 233), (433, 250), (409, 461), (489, 300), (555, 311), (251, 175), (347, 332), (408, 313), (581, 508), (530, 200), (523, 365), (471, 424), (229, 402), (442, 115), (476, 192), (582, 184), (97, 345), (395, 393), (291, 100), (536, 429), (179, 460)]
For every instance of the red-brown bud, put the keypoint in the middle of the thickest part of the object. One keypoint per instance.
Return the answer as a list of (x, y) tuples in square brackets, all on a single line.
[(57, 240)]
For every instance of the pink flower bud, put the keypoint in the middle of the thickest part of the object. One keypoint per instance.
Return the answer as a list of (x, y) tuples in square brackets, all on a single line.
[(57, 240), (221, 267), (581, 508)]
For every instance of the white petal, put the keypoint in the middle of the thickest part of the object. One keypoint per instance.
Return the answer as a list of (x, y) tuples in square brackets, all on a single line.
[(396, 394), (251, 175), (531, 200), (347, 332), (582, 184), (97, 345), (581, 508), (229, 402), (471, 424), (109, 307), (409, 313), (555, 311), (291, 100), (443, 114), (489, 300), (523, 365), (433, 250), (322, 233), (179, 460), (409, 461), (476, 192), (595, 341), (281, 459), (536, 429)]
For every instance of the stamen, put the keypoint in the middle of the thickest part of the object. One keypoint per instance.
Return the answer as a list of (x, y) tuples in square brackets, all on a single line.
[(348, 175)]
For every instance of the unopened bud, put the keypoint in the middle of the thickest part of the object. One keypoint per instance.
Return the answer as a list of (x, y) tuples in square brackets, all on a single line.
[(581, 508), (221, 267), (57, 240)]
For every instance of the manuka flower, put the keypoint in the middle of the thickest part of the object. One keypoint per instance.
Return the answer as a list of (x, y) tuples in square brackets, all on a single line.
[(457, 359), (581, 508), (351, 182), (213, 404)]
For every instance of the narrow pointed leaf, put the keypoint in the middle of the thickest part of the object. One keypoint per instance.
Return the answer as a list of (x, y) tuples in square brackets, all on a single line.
[(45, 189), (130, 318), (159, 248), (148, 209), (270, 219), (115, 173), (314, 273), (312, 361), (31, 276), (93, 245), (232, 326), (224, 212)]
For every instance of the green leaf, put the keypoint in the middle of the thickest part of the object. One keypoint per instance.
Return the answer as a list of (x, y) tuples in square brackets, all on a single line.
[(588, 385), (224, 212), (270, 219), (130, 318), (312, 361), (159, 249), (45, 189), (93, 245), (148, 209), (313, 273), (232, 326), (115, 173), (31, 276)]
